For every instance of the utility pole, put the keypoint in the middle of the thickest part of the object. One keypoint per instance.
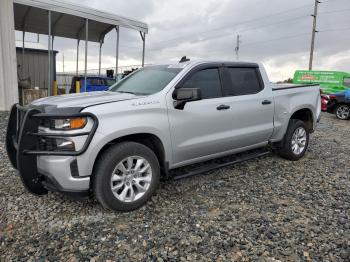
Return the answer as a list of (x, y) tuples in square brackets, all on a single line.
[(314, 31), (237, 47)]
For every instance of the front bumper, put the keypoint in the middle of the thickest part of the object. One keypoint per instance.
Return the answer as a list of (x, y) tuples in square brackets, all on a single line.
[(44, 170)]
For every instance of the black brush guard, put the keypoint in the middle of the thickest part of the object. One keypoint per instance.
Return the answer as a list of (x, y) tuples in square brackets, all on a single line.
[(22, 143)]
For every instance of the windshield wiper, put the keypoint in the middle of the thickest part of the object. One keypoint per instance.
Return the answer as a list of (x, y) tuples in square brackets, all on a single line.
[(126, 92), (134, 93)]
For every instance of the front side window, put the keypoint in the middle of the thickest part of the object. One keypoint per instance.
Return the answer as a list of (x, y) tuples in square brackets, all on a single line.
[(207, 80), (146, 81), (347, 81), (244, 81)]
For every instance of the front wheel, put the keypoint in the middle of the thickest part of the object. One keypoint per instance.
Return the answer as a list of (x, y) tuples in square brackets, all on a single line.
[(126, 176), (295, 141), (342, 112)]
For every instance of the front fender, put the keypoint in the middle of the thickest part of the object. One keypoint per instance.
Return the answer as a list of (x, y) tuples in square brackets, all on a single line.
[(152, 121)]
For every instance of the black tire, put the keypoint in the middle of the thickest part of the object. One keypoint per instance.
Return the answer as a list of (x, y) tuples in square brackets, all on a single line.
[(104, 169), (338, 115), (286, 150)]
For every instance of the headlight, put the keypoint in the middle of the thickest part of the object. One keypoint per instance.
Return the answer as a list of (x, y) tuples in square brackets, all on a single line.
[(69, 123), (65, 145), (56, 144)]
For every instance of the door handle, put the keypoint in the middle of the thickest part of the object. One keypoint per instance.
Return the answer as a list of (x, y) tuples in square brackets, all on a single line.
[(266, 102), (223, 107)]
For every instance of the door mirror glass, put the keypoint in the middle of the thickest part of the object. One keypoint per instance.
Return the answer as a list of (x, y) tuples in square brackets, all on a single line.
[(184, 95)]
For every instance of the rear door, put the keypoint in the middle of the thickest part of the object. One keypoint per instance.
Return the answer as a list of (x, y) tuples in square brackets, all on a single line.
[(251, 103)]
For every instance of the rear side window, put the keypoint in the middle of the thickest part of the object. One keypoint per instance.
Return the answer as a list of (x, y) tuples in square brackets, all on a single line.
[(244, 81), (207, 80)]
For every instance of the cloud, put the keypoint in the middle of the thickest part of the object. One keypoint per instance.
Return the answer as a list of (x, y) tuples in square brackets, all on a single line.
[(276, 32)]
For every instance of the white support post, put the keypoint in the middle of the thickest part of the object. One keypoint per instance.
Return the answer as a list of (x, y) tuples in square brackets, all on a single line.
[(117, 53), (8, 68), (99, 59), (143, 36), (86, 51), (52, 61), (22, 67), (49, 54), (77, 57)]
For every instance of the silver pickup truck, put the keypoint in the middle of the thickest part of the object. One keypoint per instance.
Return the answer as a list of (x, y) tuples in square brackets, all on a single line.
[(117, 145)]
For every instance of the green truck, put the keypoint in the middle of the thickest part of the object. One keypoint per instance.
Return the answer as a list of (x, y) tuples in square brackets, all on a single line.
[(330, 81)]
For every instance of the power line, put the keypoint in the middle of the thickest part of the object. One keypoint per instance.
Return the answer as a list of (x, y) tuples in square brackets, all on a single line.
[(245, 30), (253, 28), (264, 41), (249, 29), (273, 39), (335, 11), (335, 29), (259, 42), (227, 35), (276, 39), (230, 25), (330, 1), (237, 31)]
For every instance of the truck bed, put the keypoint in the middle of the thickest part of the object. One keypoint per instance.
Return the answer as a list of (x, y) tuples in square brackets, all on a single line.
[(289, 86)]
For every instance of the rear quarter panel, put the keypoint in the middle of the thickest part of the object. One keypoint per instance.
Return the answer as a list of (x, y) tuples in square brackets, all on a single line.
[(288, 101)]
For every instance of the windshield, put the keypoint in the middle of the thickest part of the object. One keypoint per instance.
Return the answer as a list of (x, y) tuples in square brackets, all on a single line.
[(146, 81), (347, 81)]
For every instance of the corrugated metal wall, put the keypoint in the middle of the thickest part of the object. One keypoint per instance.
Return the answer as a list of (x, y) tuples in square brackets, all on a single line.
[(34, 65), (8, 70)]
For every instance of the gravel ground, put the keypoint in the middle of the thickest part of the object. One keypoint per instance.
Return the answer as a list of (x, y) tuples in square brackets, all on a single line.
[(266, 209)]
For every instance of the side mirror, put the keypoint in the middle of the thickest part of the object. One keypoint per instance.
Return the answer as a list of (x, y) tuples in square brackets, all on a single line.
[(184, 95)]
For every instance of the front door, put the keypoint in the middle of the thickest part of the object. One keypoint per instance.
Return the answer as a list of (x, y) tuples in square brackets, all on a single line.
[(203, 127)]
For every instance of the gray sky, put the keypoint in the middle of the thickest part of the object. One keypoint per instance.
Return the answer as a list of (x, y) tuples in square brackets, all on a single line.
[(275, 32)]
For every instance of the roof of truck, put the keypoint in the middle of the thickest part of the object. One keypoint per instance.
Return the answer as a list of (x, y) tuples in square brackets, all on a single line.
[(218, 62)]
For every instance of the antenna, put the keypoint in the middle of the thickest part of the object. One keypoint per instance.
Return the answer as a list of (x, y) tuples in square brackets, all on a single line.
[(184, 59)]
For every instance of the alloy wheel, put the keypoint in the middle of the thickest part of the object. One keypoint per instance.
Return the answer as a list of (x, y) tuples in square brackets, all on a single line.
[(131, 178), (299, 140), (343, 112)]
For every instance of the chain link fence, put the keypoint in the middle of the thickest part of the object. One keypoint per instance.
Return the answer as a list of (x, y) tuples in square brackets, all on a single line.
[(64, 80)]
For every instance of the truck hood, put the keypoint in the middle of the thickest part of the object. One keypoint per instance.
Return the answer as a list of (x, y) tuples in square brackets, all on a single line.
[(84, 99)]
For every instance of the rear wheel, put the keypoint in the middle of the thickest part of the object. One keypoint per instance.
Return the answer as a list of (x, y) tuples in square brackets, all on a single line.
[(295, 141), (126, 176), (342, 112)]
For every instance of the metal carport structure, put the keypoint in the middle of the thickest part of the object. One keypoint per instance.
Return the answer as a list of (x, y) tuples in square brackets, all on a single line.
[(63, 19)]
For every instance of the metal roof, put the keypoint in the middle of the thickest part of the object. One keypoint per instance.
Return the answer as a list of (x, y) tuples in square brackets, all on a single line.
[(34, 50), (68, 20)]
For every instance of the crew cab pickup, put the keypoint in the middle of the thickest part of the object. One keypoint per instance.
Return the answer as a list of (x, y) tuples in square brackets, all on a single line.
[(116, 145)]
